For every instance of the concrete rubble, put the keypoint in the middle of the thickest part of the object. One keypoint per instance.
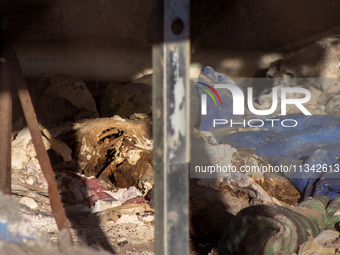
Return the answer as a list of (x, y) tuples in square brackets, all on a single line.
[(103, 168)]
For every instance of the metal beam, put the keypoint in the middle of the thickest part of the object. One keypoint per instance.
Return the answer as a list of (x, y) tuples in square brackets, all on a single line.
[(33, 126), (171, 126)]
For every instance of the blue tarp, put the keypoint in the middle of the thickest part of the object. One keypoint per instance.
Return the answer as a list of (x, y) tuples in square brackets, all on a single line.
[(314, 141)]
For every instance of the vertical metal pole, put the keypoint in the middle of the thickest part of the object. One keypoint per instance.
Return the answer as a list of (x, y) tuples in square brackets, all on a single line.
[(171, 128), (5, 127)]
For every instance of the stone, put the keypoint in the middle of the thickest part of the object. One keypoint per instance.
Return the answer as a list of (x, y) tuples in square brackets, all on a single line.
[(313, 247), (204, 153), (127, 219), (320, 59), (326, 237), (28, 202), (23, 151)]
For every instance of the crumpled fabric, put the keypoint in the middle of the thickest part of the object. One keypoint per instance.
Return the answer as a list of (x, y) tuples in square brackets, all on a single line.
[(271, 229), (76, 189), (313, 145)]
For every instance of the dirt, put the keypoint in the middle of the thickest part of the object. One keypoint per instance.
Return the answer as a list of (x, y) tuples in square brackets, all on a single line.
[(121, 233)]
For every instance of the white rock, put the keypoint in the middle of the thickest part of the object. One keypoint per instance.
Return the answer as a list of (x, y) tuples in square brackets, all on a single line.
[(23, 151), (30, 181), (102, 205), (148, 218), (28, 202), (127, 219), (326, 236), (121, 239), (205, 154), (118, 118)]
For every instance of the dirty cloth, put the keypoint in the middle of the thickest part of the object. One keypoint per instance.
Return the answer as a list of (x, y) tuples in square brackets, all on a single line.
[(308, 151), (270, 229), (87, 191)]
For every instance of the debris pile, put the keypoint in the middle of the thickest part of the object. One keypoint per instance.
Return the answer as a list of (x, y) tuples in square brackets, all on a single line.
[(104, 171)]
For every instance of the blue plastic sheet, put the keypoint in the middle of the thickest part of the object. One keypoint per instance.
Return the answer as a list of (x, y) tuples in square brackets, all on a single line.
[(14, 236), (316, 144), (314, 141)]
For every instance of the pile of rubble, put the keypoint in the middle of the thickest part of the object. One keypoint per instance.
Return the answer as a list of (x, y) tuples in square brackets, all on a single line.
[(101, 152)]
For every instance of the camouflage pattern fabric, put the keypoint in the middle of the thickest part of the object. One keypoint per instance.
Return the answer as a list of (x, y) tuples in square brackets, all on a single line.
[(270, 229)]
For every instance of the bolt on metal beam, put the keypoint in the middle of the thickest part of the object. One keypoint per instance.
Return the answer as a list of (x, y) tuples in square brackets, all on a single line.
[(171, 126)]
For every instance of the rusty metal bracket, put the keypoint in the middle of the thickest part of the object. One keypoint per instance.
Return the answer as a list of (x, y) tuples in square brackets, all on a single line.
[(33, 126), (5, 127), (171, 126)]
